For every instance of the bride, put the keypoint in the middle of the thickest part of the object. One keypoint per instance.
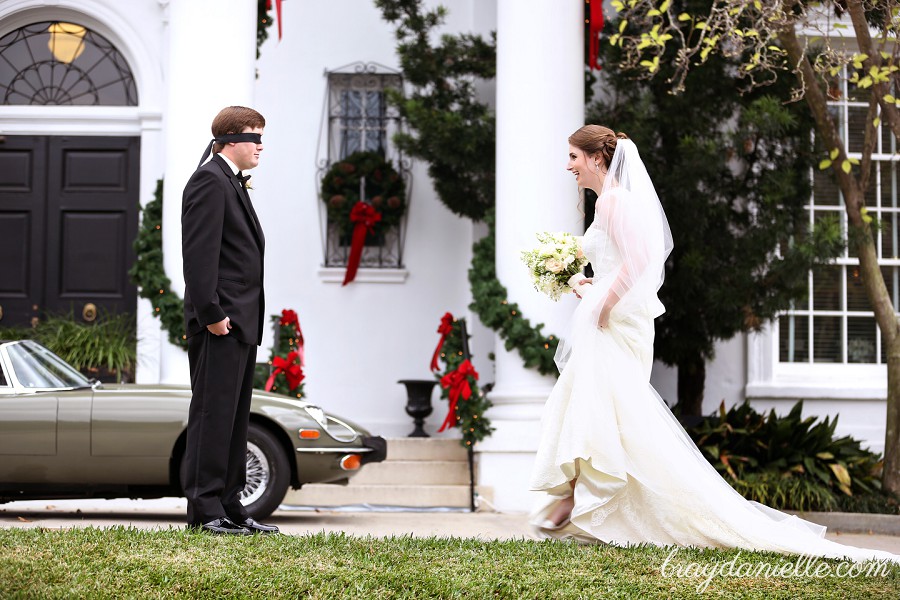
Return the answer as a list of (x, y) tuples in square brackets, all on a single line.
[(615, 465)]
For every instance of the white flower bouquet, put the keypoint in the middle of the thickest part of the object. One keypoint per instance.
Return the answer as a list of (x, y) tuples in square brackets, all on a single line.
[(557, 260)]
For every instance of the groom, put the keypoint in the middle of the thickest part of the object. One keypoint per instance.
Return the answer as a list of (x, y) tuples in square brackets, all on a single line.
[(222, 248)]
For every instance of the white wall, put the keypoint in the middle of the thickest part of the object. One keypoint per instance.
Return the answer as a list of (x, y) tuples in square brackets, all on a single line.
[(362, 338)]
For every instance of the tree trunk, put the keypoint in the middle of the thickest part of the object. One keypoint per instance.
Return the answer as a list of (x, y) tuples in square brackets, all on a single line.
[(861, 235), (691, 381), (890, 480)]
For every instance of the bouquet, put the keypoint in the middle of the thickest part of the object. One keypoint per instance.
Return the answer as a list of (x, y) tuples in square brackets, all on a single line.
[(558, 258)]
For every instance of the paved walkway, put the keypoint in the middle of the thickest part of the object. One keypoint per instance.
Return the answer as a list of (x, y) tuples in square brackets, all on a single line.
[(169, 512)]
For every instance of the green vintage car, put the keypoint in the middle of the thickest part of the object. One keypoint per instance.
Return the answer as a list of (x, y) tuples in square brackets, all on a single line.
[(64, 436)]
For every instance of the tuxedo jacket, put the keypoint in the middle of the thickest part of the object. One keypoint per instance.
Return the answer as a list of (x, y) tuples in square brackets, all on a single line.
[(222, 246)]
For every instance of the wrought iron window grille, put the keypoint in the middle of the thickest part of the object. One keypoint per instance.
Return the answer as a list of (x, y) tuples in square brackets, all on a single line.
[(58, 63), (357, 117)]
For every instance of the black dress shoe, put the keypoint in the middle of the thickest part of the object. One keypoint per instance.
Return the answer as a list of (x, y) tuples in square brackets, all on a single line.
[(256, 527), (224, 526)]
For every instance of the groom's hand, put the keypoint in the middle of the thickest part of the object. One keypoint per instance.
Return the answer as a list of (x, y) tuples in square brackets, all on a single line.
[(220, 328)]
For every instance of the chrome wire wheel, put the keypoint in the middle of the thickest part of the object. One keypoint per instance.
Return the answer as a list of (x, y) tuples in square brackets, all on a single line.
[(258, 474)]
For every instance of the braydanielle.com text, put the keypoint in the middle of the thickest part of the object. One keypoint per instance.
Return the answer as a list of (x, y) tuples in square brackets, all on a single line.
[(800, 566)]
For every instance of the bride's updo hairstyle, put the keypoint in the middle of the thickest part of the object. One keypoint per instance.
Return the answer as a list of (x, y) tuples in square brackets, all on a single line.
[(596, 140)]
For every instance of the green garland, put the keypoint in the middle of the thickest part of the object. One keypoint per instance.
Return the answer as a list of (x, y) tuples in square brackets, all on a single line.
[(470, 419), (263, 22), (495, 311), (149, 274), (384, 189)]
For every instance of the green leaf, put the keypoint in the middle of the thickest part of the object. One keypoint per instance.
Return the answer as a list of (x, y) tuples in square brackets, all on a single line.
[(684, 17), (845, 166), (834, 153), (824, 164)]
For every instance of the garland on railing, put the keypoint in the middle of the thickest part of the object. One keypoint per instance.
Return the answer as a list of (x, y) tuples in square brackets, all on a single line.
[(286, 359), (495, 311), (149, 274), (467, 404)]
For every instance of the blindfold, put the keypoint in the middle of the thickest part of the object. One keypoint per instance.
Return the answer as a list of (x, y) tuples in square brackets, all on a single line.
[(256, 138)]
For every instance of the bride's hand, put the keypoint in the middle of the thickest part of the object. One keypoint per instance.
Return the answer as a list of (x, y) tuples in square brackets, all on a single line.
[(586, 280), (603, 321)]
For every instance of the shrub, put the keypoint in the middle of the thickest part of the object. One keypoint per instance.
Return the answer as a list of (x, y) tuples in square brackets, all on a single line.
[(791, 462)]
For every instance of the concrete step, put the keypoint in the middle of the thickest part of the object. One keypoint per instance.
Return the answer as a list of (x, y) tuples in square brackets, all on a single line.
[(445, 449), (319, 494), (413, 472)]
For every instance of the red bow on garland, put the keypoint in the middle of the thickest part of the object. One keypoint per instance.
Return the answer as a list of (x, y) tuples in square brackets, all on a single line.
[(277, 14), (365, 216), (289, 317), (458, 382), (444, 329), (290, 368), (596, 26)]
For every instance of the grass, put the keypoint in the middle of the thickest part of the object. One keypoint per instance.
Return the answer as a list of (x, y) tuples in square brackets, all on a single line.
[(131, 563)]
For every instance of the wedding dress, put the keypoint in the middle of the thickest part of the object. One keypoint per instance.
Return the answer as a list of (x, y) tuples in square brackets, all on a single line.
[(640, 478)]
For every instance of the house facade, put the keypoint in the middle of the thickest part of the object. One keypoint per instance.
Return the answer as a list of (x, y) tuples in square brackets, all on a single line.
[(140, 111)]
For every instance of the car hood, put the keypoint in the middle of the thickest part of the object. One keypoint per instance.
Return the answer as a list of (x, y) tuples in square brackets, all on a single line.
[(264, 402)]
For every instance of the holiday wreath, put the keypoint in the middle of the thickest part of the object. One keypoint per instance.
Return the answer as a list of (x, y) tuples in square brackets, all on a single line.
[(366, 177)]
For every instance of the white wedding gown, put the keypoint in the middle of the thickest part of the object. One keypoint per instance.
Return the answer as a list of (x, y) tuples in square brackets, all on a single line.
[(640, 478)]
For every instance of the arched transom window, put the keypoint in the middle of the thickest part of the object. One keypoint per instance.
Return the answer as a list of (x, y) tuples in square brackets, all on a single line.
[(57, 63)]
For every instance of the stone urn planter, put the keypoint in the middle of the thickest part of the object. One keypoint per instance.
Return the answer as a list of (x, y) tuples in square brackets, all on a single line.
[(418, 402)]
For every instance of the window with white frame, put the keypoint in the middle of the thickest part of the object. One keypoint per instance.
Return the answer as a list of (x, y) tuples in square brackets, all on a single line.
[(358, 131), (836, 324)]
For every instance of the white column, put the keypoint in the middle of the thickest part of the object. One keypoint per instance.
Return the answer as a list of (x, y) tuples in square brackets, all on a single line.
[(211, 65), (540, 102)]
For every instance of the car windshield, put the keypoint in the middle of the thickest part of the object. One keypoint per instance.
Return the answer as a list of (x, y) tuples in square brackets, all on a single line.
[(37, 367)]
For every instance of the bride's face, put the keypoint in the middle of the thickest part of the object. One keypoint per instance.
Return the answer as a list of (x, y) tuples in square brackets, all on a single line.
[(585, 169)]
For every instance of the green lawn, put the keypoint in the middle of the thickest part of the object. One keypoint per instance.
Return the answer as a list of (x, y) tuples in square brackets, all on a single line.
[(132, 563)]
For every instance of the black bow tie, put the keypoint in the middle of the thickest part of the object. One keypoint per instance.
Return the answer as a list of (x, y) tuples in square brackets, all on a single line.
[(243, 178)]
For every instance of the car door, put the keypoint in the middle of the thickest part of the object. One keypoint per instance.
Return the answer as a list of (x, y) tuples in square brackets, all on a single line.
[(134, 429), (27, 432)]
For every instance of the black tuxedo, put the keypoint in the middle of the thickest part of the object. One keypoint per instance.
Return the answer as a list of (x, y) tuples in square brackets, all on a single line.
[(222, 244), (222, 248)]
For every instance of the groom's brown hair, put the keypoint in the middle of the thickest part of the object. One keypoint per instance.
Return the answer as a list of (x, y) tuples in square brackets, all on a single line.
[(233, 119)]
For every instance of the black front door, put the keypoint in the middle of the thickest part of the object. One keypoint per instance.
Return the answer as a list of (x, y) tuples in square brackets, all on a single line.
[(68, 217)]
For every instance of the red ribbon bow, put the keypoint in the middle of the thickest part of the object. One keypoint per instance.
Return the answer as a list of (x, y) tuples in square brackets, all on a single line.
[(365, 216), (444, 329), (596, 26), (277, 13), (291, 369), (458, 382), (289, 317)]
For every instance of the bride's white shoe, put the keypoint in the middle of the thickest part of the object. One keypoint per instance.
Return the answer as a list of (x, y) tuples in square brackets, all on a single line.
[(549, 525)]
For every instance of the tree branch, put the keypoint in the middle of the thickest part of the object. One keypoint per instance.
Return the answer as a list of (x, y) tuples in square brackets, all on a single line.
[(889, 111)]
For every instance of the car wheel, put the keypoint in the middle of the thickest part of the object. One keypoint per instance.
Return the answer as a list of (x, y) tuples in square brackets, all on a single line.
[(268, 474)]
